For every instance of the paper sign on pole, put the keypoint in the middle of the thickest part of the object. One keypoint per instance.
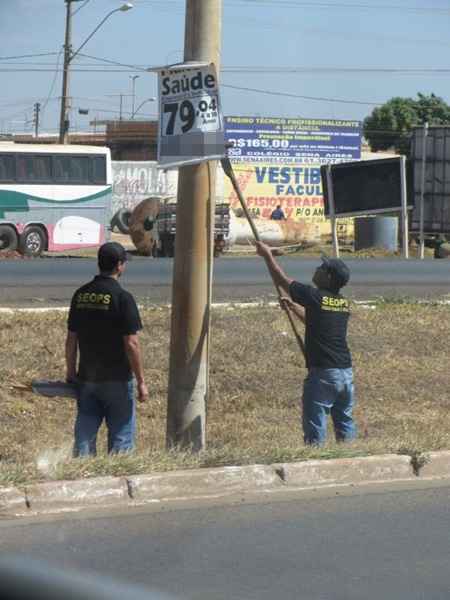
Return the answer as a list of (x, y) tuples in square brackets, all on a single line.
[(190, 118)]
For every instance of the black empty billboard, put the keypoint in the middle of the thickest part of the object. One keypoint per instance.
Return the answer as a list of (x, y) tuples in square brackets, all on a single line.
[(364, 186)]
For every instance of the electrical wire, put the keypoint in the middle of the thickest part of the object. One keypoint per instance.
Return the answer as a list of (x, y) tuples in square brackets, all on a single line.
[(28, 56), (52, 85), (113, 62), (288, 95), (304, 4)]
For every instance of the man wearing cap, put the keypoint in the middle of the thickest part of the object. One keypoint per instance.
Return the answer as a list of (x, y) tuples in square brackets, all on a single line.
[(103, 325), (328, 387)]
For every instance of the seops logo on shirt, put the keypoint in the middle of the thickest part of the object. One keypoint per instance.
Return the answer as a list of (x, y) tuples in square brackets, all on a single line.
[(335, 304), (93, 301)]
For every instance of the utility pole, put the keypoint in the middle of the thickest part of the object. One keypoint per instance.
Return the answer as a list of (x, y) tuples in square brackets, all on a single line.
[(192, 273), (69, 56), (37, 110), (64, 117), (133, 93)]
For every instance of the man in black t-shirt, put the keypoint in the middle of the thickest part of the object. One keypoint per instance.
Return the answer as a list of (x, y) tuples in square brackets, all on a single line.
[(328, 387), (103, 325)]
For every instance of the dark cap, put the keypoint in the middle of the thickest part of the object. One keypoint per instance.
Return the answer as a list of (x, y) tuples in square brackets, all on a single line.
[(110, 254), (338, 270)]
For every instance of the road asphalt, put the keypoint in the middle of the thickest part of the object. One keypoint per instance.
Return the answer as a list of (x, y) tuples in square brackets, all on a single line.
[(387, 541), (30, 282)]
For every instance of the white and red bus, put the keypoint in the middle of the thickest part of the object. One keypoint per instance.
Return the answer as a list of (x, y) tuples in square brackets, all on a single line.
[(53, 197)]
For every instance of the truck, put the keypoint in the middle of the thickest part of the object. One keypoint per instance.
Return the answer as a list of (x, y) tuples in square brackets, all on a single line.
[(437, 183), (164, 234)]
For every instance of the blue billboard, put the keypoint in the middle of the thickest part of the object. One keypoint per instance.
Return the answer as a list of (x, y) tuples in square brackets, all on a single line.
[(288, 140)]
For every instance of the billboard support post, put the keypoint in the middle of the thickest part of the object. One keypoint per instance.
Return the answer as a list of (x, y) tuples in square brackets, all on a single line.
[(422, 193), (333, 219), (404, 212)]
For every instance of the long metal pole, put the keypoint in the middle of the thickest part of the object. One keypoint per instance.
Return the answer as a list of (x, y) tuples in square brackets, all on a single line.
[(189, 344), (422, 193), (404, 210), (334, 235), (63, 125)]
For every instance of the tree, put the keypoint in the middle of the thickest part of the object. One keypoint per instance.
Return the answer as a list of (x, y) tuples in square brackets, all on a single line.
[(390, 125)]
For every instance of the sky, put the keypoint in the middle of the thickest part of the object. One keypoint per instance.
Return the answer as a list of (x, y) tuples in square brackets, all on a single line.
[(289, 58)]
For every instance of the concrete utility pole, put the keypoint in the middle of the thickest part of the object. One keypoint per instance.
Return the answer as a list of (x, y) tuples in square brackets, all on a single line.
[(63, 120), (133, 93), (69, 56), (37, 110), (191, 296)]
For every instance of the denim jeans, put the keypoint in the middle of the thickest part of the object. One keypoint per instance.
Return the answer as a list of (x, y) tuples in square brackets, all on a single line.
[(328, 391), (112, 401)]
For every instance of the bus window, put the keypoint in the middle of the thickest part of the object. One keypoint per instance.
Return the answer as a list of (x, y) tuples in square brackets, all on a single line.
[(99, 170), (32, 169), (42, 167), (79, 169), (61, 169), (7, 168)]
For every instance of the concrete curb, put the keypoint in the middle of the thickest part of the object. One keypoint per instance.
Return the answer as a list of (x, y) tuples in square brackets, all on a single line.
[(67, 496), (203, 483), (347, 471), (216, 483), (436, 465)]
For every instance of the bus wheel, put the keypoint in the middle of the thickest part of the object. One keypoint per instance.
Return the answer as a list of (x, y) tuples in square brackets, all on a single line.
[(8, 238), (32, 241)]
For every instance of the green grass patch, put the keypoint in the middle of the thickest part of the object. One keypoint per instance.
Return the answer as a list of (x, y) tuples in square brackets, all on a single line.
[(401, 369)]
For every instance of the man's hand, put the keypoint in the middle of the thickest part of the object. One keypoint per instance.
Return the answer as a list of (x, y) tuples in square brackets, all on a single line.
[(263, 250), (286, 303), (143, 394)]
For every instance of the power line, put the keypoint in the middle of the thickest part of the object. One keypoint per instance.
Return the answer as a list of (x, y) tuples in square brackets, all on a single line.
[(275, 70), (28, 56), (288, 95), (113, 62), (320, 5), (52, 85), (340, 5)]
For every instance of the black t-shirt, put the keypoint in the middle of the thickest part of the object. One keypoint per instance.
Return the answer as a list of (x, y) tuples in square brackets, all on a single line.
[(101, 313), (326, 320)]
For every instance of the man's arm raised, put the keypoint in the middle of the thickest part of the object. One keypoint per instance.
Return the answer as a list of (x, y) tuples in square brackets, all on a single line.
[(279, 276)]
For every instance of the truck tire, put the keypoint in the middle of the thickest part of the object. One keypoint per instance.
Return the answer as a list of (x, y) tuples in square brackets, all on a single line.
[(113, 223), (122, 220), (8, 238), (143, 226), (32, 241)]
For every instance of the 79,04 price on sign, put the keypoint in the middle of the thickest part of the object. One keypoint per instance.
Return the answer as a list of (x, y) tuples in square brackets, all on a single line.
[(195, 114), (191, 121)]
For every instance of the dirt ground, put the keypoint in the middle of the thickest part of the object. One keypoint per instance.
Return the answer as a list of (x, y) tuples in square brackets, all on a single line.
[(401, 366)]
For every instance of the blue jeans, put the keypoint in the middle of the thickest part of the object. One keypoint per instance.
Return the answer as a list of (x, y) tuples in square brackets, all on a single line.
[(110, 400), (328, 391)]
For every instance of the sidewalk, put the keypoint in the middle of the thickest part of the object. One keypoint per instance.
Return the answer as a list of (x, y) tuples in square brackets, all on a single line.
[(216, 483)]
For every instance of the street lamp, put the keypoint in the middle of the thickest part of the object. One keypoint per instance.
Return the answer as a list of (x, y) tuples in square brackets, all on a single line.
[(133, 92), (68, 58), (141, 105)]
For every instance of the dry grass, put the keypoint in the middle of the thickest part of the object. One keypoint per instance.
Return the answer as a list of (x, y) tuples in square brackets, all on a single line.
[(401, 364)]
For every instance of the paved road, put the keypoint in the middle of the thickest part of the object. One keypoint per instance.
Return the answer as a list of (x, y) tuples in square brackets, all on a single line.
[(372, 543), (43, 280)]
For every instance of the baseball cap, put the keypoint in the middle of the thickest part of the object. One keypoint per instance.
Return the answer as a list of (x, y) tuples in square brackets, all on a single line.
[(338, 269), (110, 254)]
